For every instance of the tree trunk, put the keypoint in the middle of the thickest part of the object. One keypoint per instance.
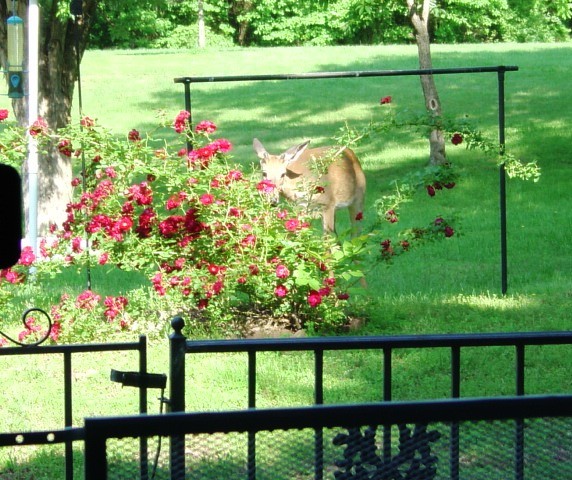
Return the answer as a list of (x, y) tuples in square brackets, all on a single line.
[(202, 34), (58, 71), (241, 26), (420, 20)]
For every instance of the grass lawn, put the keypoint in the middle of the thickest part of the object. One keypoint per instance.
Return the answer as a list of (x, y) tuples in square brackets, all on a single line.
[(458, 280), (450, 286)]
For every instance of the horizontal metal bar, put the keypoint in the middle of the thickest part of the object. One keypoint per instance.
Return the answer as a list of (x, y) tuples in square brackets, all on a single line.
[(374, 342), (347, 74), (329, 416), (47, 437), (79, 348)]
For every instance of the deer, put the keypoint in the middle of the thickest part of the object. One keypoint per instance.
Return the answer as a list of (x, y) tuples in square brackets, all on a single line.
[(297, 177)]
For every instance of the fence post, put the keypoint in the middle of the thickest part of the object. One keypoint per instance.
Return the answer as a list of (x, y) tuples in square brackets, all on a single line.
[(177, 350), (143, 446), (502, 185)]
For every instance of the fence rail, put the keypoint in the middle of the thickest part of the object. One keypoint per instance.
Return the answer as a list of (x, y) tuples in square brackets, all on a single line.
[(430, 438), (387, 345)]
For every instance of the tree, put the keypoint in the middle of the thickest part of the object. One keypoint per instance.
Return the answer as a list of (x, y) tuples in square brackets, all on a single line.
[(202, 37), (58, 71), (419, 14)]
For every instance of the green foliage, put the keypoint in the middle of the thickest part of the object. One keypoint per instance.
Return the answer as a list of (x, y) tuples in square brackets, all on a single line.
[(185, 36), (162, 23), (12, 150), (459, 21)]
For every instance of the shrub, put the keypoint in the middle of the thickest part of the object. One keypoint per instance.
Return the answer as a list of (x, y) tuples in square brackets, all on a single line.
[(206, 235), (203, 232)]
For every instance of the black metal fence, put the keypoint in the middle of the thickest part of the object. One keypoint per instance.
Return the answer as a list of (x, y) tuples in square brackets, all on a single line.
[(387, 346), (459, 438), (514, 437), (70, 433)]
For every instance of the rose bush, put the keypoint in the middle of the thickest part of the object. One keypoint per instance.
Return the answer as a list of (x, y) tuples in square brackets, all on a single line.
[(201, 229), (204, 233)]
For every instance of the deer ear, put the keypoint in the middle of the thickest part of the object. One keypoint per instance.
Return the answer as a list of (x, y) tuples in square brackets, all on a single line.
[(259, 149), (293, 153)]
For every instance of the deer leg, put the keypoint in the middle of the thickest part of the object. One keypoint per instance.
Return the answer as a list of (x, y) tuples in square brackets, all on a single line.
[(329, 219), (355, 210)]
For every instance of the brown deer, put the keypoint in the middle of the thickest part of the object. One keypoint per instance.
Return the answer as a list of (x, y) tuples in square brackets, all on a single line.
[(326, 177)]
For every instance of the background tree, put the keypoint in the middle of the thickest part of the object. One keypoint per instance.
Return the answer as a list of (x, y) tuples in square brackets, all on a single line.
[(57, 75), (174, 23), (419, 13)]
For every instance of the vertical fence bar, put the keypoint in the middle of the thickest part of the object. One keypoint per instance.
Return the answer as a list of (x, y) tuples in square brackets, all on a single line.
[(387, 395), (143, 450), (502, 180), (188, 100), (188, 108), (519, 422), (68, 411), (251, 404), (177, 346), (455, 393), (318, 400), (519, 369), (95, 453), (251, 379)]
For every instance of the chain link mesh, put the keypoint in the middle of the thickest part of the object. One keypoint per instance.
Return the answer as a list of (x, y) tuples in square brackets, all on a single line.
[(539, 448)]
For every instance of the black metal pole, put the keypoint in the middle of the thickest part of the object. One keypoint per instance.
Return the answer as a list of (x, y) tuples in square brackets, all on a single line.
[(318, 400), (68, 411), (143, 446), (95, 453), (502, 187), (188, 108), (454, 448), (251, 453), (177, 343)]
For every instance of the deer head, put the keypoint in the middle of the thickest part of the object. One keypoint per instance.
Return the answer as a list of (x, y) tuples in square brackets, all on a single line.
[(300, 176)]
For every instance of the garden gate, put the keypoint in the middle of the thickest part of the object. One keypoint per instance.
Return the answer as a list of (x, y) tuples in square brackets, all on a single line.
[(69, 433)]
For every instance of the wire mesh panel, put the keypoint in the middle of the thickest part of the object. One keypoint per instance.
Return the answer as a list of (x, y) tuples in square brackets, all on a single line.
[(533, 448)]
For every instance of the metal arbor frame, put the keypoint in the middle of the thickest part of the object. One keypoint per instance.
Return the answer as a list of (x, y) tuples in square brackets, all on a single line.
[(499, 70)]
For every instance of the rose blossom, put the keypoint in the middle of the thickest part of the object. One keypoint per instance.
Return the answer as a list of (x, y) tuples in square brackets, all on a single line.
[(39, 127), (206, 198), (27, 256), (292, 224), (265, 186), (134, 136), (457, 139), (282, 271), (314, 298), (280, 291), (181, 121), (205, 127)]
